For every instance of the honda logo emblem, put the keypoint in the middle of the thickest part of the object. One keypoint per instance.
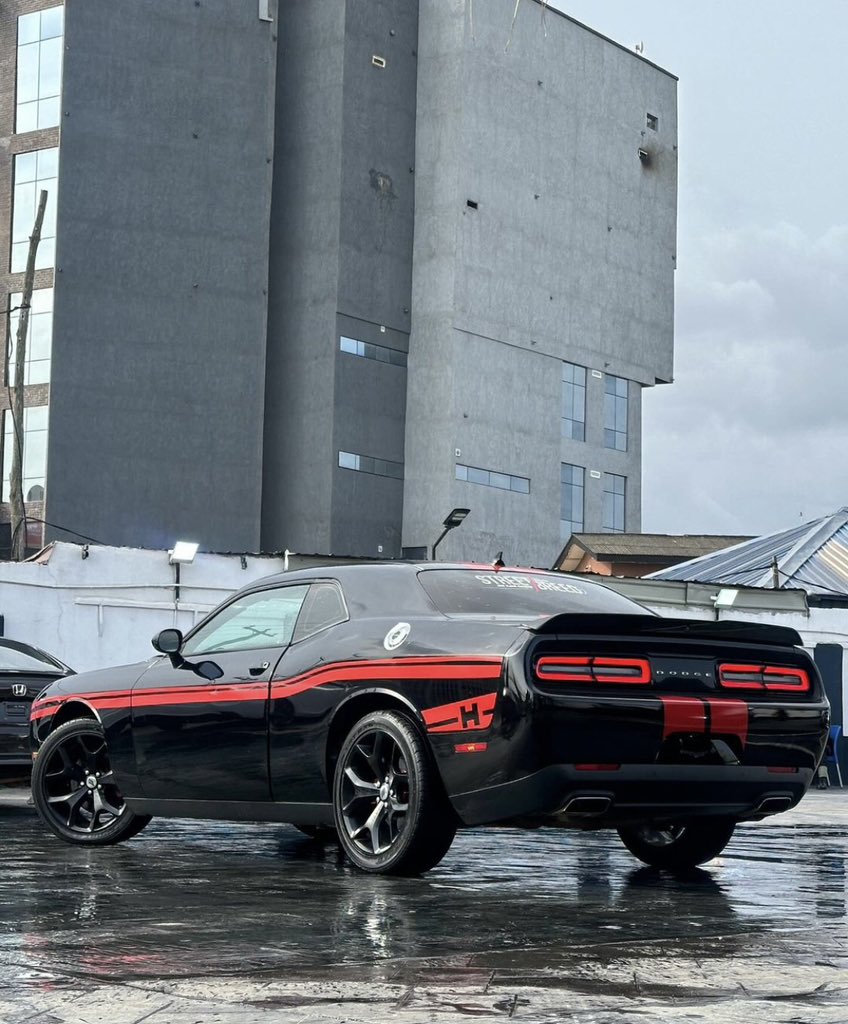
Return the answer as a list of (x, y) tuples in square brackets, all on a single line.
[(19, 689)]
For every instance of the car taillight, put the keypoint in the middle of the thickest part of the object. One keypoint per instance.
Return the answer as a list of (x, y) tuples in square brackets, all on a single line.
[(764, 677), (594, 670)]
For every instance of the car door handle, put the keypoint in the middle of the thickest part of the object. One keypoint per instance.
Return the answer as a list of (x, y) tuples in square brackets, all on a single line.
[(257, 670)]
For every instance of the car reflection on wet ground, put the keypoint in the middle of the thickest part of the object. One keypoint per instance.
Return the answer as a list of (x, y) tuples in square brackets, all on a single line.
[(202, 921)]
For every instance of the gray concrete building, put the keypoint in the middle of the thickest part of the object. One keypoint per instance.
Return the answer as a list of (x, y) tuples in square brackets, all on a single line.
[(318, 273)]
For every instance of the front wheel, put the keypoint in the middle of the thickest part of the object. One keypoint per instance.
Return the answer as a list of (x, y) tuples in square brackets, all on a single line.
[(678, 846), (74, 790), (391, 812)]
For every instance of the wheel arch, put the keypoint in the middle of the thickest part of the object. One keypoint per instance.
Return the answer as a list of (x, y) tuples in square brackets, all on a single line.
[(71, 709), (356, 706)]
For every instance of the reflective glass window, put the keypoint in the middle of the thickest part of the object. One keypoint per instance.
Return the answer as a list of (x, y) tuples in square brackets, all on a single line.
[(39, 70), (254, 621), (35, 452), (369, 464), (491, 478), (33, 172), (39, 337), (615, 488), (572, 491), (615, 412), (574, 402)]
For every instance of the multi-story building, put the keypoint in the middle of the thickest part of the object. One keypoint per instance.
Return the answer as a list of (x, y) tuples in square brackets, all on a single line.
[(313, 274)]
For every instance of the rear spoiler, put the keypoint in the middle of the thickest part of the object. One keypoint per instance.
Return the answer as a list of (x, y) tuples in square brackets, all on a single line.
[(594, 624)]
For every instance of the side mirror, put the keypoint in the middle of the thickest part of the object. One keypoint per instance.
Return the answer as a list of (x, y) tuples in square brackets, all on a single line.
[(169, 641), (207, 670)]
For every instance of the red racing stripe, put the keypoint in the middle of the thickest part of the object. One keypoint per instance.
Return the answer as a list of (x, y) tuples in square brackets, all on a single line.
[(428, 667), (462, 715), (683, 714), (729, 716)]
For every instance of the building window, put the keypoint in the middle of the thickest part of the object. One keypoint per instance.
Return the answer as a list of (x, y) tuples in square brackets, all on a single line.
[(571, 499), (489, 478), (367, 464), (39, 69), (615, 413), (368, 351), (33, 172), (39, 337), (614, 498), (35, 452), (574, 402)]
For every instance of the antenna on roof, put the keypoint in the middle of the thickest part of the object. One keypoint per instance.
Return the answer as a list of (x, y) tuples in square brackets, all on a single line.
[(639, 47)]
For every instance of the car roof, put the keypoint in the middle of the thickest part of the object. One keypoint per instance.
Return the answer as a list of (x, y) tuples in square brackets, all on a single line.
[(384, 588), (35, 652)]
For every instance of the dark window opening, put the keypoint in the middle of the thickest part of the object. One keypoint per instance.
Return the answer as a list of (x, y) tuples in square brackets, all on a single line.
[(471, 204)]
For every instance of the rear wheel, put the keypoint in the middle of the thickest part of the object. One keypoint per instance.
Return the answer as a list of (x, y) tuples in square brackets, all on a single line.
[(392, 815), (678, 846), (74, 789)]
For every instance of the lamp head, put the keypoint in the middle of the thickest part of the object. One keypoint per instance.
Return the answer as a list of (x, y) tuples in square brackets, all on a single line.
[(183, 552), (455, 517)]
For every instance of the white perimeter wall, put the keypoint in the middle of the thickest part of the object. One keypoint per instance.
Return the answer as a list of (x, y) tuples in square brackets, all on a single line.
[(102, 610)]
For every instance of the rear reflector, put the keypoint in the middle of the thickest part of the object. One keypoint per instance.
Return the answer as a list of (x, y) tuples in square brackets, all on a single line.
[(594, 670), (764, 677), (780, 770), (470, 748), (597, 767)]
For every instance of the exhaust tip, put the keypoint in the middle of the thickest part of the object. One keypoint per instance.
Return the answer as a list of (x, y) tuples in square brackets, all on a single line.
[(774, 804), (587, 806)]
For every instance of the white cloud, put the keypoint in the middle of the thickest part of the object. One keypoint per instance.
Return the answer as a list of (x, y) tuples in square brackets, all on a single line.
[(754, 431)]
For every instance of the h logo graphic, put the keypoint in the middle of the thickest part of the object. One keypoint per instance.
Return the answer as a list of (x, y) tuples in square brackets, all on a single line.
[(19, 689)]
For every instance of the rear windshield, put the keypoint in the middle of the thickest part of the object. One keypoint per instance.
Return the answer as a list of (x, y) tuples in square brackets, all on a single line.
[(521, 595), (13, 660)]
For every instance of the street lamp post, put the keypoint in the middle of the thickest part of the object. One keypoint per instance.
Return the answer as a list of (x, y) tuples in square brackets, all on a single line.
[(455, 519)]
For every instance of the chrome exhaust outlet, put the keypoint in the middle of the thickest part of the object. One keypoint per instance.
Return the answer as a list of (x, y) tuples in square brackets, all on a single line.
[(774, 804), (587, 806)]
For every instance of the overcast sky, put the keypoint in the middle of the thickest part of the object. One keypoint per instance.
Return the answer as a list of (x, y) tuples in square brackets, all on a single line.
[(753, 434)]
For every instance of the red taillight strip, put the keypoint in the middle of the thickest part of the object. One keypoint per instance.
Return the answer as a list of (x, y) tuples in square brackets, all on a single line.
[(628, 671), (764, 677)]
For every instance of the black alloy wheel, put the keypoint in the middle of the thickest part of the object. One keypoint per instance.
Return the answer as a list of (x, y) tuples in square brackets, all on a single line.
[(74, 789), (678, 846), (392, 815)]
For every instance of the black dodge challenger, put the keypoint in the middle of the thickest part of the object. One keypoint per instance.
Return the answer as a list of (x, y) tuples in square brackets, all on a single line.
[(389, 705)]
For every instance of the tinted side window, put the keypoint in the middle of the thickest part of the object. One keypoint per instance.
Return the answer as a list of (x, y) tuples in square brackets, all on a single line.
[(323, 607), (263, 619)]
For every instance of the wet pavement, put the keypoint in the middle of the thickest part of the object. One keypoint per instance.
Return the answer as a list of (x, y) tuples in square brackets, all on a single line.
[(214, 922)]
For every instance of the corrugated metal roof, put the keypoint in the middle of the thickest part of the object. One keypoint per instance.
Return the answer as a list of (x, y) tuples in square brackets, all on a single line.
[(811, 557)]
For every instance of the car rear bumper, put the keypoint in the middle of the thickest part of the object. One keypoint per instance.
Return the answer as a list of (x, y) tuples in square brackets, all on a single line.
[(566, 796), (14, 744)]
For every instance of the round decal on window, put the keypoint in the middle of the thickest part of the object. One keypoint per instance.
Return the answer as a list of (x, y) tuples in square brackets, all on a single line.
[(396, 636)]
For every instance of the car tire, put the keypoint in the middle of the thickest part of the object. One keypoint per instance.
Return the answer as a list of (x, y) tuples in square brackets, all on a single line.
[(392, 815), (678, 846), (74, 791)]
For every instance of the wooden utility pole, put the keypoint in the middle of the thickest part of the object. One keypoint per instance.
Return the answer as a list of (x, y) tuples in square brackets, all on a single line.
[(16, 478)]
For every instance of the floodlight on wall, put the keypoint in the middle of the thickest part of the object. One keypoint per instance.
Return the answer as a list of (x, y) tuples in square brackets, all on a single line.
[(724, 599), (182, 553), (455, 518)]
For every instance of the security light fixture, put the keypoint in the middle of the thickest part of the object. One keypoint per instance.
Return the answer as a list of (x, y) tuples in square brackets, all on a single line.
[(183, 552), (454, 519), (725, 597)]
